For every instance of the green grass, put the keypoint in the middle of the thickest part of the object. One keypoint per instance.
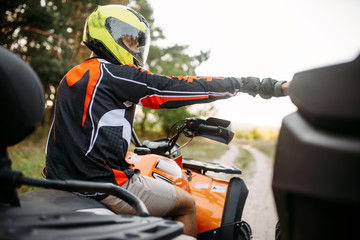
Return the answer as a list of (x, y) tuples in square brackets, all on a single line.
[(245, 158), (266, 146), (29, 156), (204, 149)]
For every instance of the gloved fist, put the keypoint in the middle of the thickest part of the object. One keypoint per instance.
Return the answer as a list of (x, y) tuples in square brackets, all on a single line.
[(250, 85), (271, 88), (266, 88)]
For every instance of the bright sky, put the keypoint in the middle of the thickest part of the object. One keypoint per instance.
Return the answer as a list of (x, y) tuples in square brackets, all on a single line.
[(261, 38)]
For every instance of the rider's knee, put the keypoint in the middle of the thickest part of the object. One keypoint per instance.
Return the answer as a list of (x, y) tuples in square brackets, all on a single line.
[(185, 203), (189, 202)]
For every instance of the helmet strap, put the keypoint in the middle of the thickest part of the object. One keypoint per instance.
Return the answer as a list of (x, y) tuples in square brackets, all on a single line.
[(102, 52)]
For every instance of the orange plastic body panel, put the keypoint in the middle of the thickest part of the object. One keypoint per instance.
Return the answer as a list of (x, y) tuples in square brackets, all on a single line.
[(147, 165), (209, 193), (210, 196)]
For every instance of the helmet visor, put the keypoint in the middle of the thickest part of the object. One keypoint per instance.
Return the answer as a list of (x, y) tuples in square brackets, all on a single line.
[(135, 41)]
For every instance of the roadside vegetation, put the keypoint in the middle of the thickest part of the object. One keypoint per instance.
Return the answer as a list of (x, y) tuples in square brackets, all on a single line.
[(29, 155), (244, 159), (262, 138), (204, 149)]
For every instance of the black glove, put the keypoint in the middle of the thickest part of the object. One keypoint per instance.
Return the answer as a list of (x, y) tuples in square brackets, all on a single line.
[(271, 88), (267, 88)]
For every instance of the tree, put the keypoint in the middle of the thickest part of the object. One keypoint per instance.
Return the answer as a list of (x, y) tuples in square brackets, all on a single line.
[(47, 34)]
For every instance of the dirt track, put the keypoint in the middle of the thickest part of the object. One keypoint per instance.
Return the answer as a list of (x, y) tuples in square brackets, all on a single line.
[(259, 210)]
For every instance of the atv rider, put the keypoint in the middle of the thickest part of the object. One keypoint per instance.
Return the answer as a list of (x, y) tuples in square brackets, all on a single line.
[(95, 106)]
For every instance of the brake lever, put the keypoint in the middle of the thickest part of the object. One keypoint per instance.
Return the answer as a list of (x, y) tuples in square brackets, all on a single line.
[(173, 140)]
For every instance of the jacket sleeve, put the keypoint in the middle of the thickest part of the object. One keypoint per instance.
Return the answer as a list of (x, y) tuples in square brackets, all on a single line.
[(157, 91), (171, 92)]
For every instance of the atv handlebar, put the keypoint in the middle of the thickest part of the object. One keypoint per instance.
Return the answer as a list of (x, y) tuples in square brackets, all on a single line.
[(208, 129), (213, 128)]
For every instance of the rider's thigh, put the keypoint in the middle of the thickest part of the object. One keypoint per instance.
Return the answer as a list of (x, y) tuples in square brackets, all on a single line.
[(159, 197)]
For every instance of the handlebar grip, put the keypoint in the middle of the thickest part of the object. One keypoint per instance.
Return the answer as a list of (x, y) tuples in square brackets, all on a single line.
[(206, 128)]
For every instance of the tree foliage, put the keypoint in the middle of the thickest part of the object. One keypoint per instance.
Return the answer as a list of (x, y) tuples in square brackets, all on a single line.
[(47, 34)]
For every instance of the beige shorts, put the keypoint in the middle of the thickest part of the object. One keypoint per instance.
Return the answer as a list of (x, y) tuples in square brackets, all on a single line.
[(158, 196)]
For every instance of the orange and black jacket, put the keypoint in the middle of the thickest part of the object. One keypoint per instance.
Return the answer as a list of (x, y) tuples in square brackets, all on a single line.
[(94, 112)]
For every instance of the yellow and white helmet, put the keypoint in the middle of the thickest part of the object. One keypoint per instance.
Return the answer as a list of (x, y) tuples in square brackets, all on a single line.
[(113, 31)]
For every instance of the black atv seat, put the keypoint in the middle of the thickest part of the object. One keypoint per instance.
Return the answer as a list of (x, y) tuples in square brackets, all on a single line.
[(21, 99), (51, 200)]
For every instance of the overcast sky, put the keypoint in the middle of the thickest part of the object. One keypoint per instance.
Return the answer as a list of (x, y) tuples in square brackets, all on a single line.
[(261, 38)]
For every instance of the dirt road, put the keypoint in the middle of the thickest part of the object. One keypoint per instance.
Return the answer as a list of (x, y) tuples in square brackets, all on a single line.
[(259, 210)]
